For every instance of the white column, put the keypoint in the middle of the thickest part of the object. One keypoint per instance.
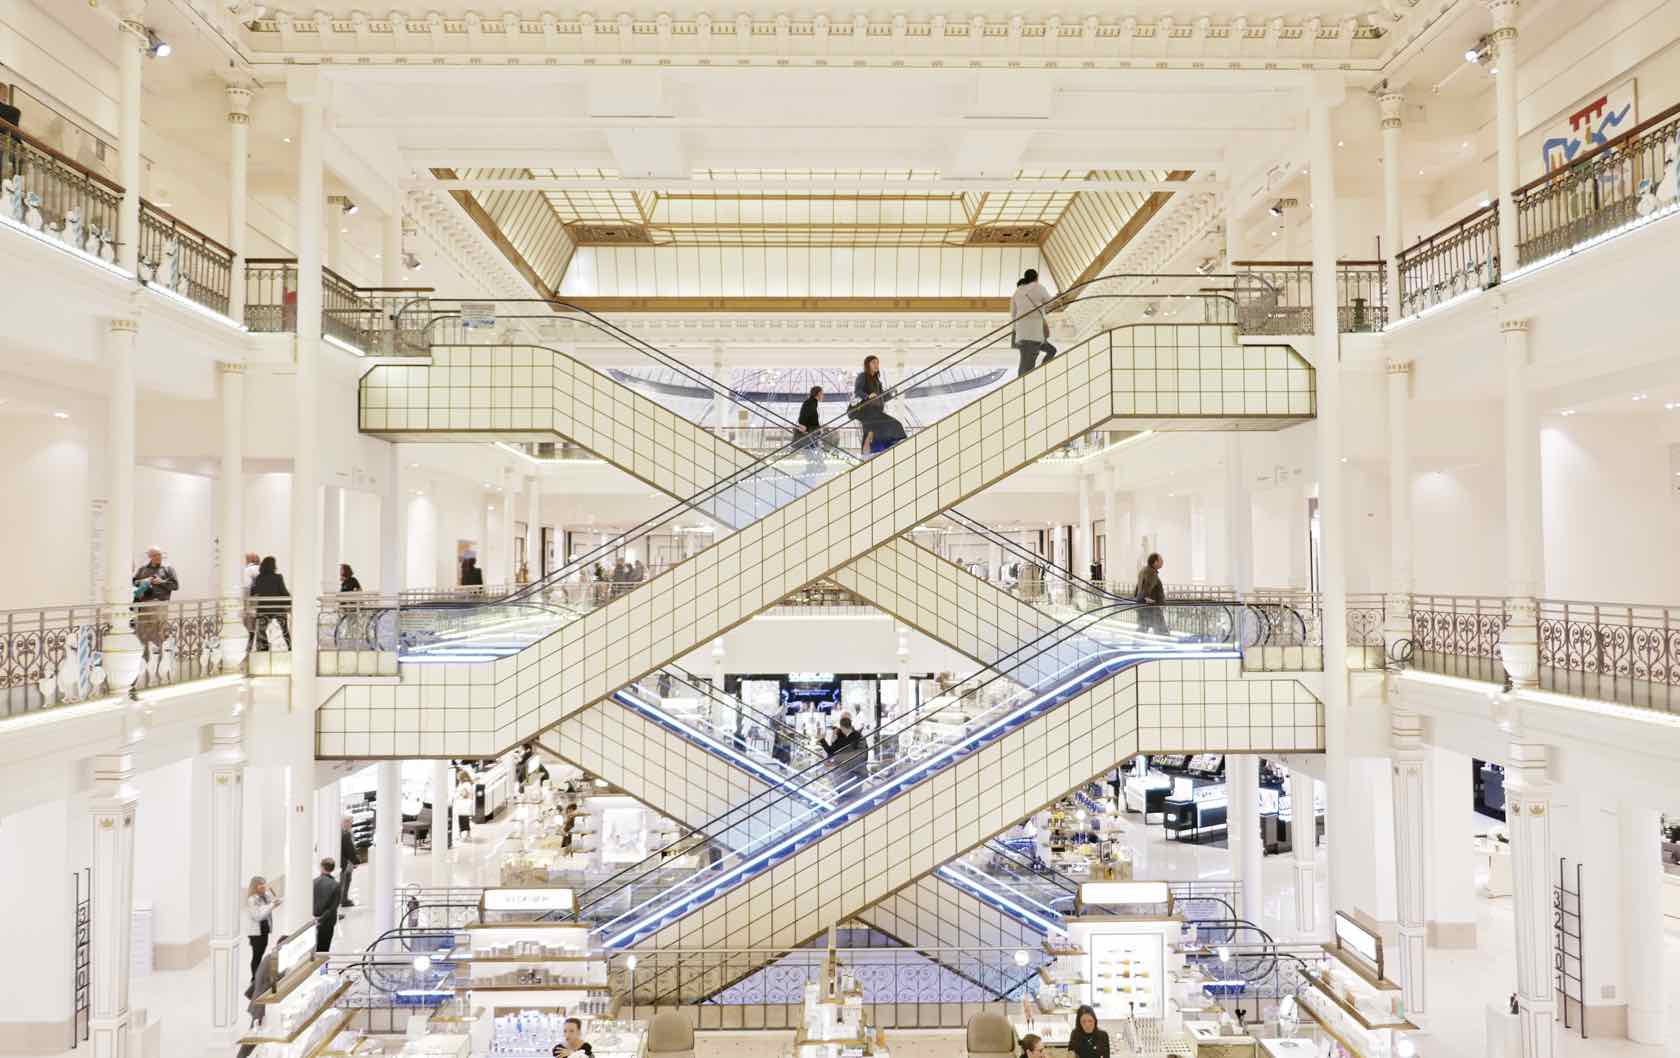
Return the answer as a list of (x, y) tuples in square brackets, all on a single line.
[(1528, 803), (239, 152), (232, 495), (131, 42), (1397, 608), (1242, 813), (1084, 548), (1642, 923), (390, 258), (903, 658), (329, 819), (393, 525), (123, 652), (1519, 643), (387, 822), (332, 536), (719, 405), (332, 214), (1411, 871), (443, 792), (1117, 559), (296, 737), (1504, 39), (112, 807), (1332, 520), (1303, 843), (1393, 105), (1453, 902), (227, 888), (533, 525), (307, 89), (1239, 518)]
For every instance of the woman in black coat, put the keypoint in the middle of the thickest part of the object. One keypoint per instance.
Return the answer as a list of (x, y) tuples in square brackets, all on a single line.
[(880, 430), (1086, 1040), (274, 602)]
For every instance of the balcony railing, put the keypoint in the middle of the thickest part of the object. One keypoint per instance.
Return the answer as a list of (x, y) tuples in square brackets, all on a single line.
[(55, 655), (1612, 652), (43, 189), (179, 257), (1276, 296), (1459, 258), (370, 319), (1605, 189), (1458, 635)]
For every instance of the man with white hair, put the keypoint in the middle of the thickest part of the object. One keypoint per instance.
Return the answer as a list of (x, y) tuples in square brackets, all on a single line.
[(154, 583)]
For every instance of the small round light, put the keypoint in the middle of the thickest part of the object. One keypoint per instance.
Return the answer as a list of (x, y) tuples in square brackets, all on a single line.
[(422, 963), (1021, 956), (61, 415), (1224, 953), (1404, 1048), (630, 962)]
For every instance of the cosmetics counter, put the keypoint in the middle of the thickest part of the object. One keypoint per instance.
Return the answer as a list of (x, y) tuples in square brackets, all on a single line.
[(556, 840), (811, 702), (835, 1024), (1353, 1007), (299, 1018), (1081, 835)]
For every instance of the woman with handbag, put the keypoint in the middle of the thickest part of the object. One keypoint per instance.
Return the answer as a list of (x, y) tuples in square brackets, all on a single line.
[(880, 430)]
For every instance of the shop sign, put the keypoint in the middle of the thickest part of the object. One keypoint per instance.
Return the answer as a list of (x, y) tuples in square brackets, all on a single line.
[(1351, 936), (528, 900), (1111, 894), (478, 315)]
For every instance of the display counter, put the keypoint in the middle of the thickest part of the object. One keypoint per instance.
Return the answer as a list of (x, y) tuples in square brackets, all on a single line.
[(442, 1045), (1199, 815), (1291, 1048), (1210, 1040), (1496, 863)]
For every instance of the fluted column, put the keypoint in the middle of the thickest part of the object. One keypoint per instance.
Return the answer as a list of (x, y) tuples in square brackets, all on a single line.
[(1504, 40), (131, 45), (1397, 608), (1239, 517), (1325, 93), (1411, 873), (1393, 105), (1242, 810), (123, 652), (1646, 974), (227, 815), (1083, 547), (1528, 818), (443, 794), (387, 818), (1303, 844), (112, 808), (239, 152), (1519, 643)]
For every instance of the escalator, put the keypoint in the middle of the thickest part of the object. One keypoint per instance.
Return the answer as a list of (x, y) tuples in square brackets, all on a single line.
[(826, 517)]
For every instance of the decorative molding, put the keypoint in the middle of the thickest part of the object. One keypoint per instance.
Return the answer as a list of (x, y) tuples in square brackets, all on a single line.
[(1399, 367), (230, 367), (610, 234), (1393, 106), (125, 325), (804, 39), (996, 308), (1513, 326)]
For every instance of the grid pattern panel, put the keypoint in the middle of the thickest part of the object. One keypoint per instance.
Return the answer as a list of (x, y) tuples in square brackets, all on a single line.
[(933, 913), (658, 767), (814, 535), (473, 390), (996, 787)]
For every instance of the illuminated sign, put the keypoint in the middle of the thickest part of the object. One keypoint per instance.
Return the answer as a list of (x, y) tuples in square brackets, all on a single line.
[(1361, 941), (528, 900), (1105, 894)]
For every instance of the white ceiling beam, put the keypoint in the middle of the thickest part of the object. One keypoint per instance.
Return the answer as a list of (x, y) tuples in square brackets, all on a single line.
[(820, 186)]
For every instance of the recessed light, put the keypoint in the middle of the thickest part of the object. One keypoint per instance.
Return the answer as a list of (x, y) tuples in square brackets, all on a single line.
[(61, 415), (1465, 145), (288, 139), (1569, 411), (344, 231), (414, 466), (1641, 396), (492, 509), (1668, 404), (1420, 172), (1339, 143), (378, 256)]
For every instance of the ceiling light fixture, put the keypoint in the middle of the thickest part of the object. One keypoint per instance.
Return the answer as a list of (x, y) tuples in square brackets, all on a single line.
[(61, 415), (1481, 53), (410, 261), (157, 47), (1668, 404), (1568, 411), (1641, 396), (1341, 143), (1276, 208)]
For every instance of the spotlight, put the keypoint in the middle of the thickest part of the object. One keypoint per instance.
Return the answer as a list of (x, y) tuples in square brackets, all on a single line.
[(1479, 55), (1020, 956), (1276, 209), (1207, 266), (422, 963), (411, 262), (157, 47), (1149, 310), (630, 962)]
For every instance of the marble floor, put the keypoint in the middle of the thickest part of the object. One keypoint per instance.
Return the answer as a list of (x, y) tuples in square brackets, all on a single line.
[(1461, 982)]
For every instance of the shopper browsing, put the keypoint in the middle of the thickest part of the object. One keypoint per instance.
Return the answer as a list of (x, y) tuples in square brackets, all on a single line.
[(1086, 1040), (1032, 1046), (574, 1042), (347, 861), (274, 602), (260, 903), (326, 905)]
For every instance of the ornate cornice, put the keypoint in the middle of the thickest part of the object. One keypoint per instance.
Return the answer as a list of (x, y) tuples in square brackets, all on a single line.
[(1513, 326), (1165, 41), (1399, 367)]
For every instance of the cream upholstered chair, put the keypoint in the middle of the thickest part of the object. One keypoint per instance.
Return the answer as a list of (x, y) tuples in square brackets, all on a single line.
[(990, 1036), (671, 1035)]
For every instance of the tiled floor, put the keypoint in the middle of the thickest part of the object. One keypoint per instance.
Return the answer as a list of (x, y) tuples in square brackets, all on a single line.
[(1461, 983)]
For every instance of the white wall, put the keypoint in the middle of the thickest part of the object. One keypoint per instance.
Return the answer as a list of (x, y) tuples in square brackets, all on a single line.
[(40, 846), (48, 471), (171, 862)]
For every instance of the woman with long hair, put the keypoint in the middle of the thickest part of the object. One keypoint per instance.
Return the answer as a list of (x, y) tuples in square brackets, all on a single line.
[(1086, 1040), (274, 602), (260, 903), (880, 430)]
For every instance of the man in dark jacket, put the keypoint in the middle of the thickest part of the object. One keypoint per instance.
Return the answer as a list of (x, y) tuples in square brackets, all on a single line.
[(347, 860), (153, 583), (809, 423), (1152, 594), (326, 905)]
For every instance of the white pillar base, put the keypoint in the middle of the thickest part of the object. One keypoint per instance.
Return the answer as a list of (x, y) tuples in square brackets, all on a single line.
[(109, 1036), (226, 983), (1306, 895)]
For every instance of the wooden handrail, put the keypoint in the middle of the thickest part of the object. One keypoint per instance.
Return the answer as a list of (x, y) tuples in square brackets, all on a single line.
[(179, 223), (1461, 222), (8, 129), (1304, 264), (1642, 127)]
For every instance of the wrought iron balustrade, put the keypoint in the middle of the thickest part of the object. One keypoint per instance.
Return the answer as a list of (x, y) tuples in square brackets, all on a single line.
[(378, 321), (1459, 258), (182, 259), (54, 655), (1458, 635), (1276, 297), (1610, 651), (42, 189), (1632, 176)]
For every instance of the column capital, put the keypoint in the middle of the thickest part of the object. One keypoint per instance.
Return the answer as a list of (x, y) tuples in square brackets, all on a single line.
[(239, 103), (1399, 367), (1504, 14), (229, 367), (1405, 731), (1393, 105), (125, 325), (1519, 326)]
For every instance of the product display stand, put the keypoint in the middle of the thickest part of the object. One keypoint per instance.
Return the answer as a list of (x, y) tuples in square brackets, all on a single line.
[(299, 1016), (1348, 997), (836, 1025)]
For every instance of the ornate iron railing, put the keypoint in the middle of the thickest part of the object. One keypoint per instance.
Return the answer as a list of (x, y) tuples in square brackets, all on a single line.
[(371, 319), (44, 190), (1280, 300), (1615, 652), (181, 258), (1632, 176), (54, 655), (1458, 635), (1460, 257)]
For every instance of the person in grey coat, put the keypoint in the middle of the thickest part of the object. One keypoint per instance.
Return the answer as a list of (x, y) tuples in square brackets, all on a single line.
[(1152, 594)]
